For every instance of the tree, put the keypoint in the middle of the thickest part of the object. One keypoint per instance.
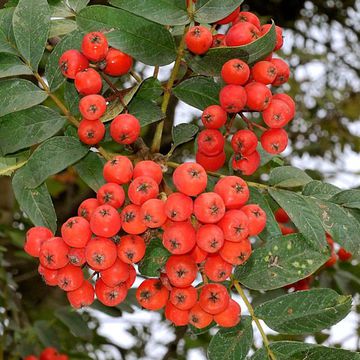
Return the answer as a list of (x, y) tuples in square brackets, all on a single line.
[(52, 172)]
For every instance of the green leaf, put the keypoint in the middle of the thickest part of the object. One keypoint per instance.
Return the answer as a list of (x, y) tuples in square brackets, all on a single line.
[(281, 261), (19, 94), (31, 24), (7, 41), (304, 312), (5, 44), (320, 189), (46, 333), (53, 156), (292, 350), (165, 12), (61, 27), (11, 65), (53, 73), (155, 258), (72, 98), (348, 198), (303, 214), (28, 127), (212, 62), (198, 91), (145, 40), (214, 10), (150, 89), (10, 163), (195, 331), (90, 169), (288, 177), (146, 111), (183, 133), (232, 343), (272, 228), (77, 5), (75, 323), (36, 203)]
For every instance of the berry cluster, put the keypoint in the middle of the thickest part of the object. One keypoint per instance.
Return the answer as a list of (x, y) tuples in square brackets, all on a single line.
[(247, 89), (206, 232), (124, 128), (48, 353)]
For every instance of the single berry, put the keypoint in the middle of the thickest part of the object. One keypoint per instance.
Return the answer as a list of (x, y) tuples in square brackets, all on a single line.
[(117, 63), (181, 270), (274, 141), (88, 82), (77, 256), (53, 253), (131, 221), (214, 117), (111, 194), (245, 16), (87, 208), (264, 72), (125, 129), (277, 114), (71, 62), (235, 71), (115, 274), (183, 298), (232, 98), (241, 34), (70, 277), (153, 213), (216, 268), (148, 168), (49, 276), (211, 163), (214, 298), (179, 238), (210, 142), (281, 216), (141, 189), (230, 317), (178, 207), (105, 221), (76, 232), (95, 46), (235, 225), (100, 253), (175, 315), (283, 72), (257, 218), (118, 170), (244, 142), (92, 107), (344, 255), (198, 39), (233, 190), (131, 249), (209, 207), (82, 296), (230, 18), (288, 100), (34, 238), (110, 296), (218, 40), (199, 317), (247, 165), (279, 35), (152, 295), (210, 238), (236, 253), (91, 132), (258, 96)]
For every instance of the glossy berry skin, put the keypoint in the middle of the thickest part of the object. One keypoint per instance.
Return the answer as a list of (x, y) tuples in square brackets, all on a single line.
[(209, 207), (31, 357), (235, 71), (230, 18), (110, 296), (281, 216), (277, 114), (236, 253), (105, 221), (199, 317), (148, 168), (91, 132), (49, 353), (264, 72), (216, 268), (214, 298), (76, 232), (176, 316), (88, 82), (198, 39), (71, 62), (190, 178), (244, 142), (152, 295), (117, 63), (34, 238), (288, 100), (183, 298), (245, 16), (118, 170), (132, 277), (92, 107), (49, 276), (218, 40), (257, 218), (131, 220), (111, 194), (232, 98), (344, 255), (279, 36), (77, 256), (247, 165), (181, 270), (230, 317), (141, 189), (82, 296), (125, 129), (87, 208), (274, 141), (115, 274), (178, 207), (53, 253), (179, 238), (210, 238), (211, 163), (258, 96), (95, 46), (153, 213), (214, 117), (198, 255), (283, 72), (131, 249), (210, 142), (235, 225), (100, 253), (233, 190), (70, 278), (241, 34)]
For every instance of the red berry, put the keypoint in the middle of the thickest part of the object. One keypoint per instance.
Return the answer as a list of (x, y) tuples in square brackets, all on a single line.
[(232, 98), (209, 207), (241, 34), (175, 315), (49, 276), (218, 40), (132, 277), (285, 230), (111, 194), (231, 17), (210, 238), (34, 238), (131, 249), (94, 46), (31, 357), (277, 114), (233, 190), (279, 36), (76, 232), (82, 296), (199, 318), (246, 164), (181, 270), (179, 238), (344, 255), (71, 62), (105, 221), (235, 72), (141, 189), (125, 129), (236, 253), (230, 316), (118, 170), (264, 72), (183, 298), (117, 63), (77, 256), (235, 225), (216, 268), (48, 353), (153, 213), (152, 294), (131, 220), (245, 16), (211, 163), (257, 218), (87, 208), (178, 207), (110, 296), (198, 39), (283, 72), (214, 117), (244, 142), (190, 178), (214, 298), (332, 260), (288, 100), (115, 274), (281, 216), (92, 107), (91, 132), (100, 253), (53, 253), (258, 96), (148, 168), (210, 142), (70, 278), (88, 82), (198, 255), (274, 141)]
